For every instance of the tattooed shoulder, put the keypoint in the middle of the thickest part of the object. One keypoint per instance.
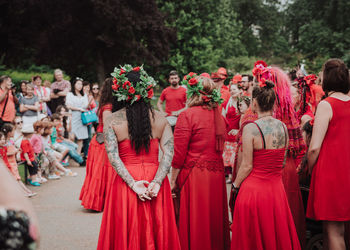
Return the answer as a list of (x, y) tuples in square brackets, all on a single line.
[(116, 118)]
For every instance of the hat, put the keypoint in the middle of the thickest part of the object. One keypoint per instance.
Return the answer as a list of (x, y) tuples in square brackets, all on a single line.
[(28, 128), (221, 74), (236, 79), (205, 74), (222, 71)]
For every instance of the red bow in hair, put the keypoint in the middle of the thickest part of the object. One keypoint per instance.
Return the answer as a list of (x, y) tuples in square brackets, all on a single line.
[(310, 79)]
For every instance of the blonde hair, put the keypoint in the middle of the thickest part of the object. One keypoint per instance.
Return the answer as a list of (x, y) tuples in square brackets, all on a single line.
[(197, 100)]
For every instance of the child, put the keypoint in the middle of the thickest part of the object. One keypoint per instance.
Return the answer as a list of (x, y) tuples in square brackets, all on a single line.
[(28, 155), (51, 152), (3, 150), (59, 143), (8, 130), (37, 144)]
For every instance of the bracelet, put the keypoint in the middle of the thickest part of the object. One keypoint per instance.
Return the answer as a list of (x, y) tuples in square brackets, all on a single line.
[(234, 187)]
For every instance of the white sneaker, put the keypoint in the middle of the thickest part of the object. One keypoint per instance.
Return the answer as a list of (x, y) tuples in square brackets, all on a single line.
[(53, 177), (70, 173), (43, 180)]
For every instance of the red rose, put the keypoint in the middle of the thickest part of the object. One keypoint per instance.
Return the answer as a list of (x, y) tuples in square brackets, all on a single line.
[(149, 87), (192, 81), (126, 83), (115, 87), (129, 98), (150, 93), (191, 74), (260, 62), (262, 83), (205, 98), (136, 69), (138, 97), (115, 81), (122, 71), (131, 90)]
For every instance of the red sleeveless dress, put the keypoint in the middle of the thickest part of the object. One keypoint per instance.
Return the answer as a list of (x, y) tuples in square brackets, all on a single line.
[(99, 172), (128, 222), (329, 197), (262, 219)]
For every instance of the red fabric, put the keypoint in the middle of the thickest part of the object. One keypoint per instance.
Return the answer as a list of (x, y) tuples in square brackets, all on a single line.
[(10, 110), (107, 107), (60, 132), (37, 143), (316, 95), (128, 222), (233, 118), (220, 130), (175, 99), (99, 172), (225, 93), (98, 179), (262, 217), (26, 147), (330, 181), (3, 154), (203, 215)]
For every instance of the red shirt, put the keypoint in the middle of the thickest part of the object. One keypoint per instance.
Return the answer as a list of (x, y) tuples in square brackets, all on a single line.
[(233, 118), (10, 110), (175, 99), (3, 154), (27, 148)]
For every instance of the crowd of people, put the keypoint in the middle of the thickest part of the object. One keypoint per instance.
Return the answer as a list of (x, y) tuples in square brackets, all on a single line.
[(42, 126), (160, 177)]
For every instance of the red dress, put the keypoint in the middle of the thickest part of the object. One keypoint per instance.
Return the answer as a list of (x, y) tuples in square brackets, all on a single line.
[(330, 180), (131, 224), (262, 218), (99, 172), (203, 215)]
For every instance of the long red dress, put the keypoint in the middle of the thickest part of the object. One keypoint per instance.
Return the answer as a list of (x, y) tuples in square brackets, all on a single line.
[(262, 219), (99, 172), (330, 180), (131, 224), (203, 215)]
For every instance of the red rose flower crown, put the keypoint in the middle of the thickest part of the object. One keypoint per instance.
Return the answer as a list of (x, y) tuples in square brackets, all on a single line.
[(195, 87), (127, 91)]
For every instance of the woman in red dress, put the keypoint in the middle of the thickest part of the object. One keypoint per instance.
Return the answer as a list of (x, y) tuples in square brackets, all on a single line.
[(262, 218), (230, 112), (329, 158), (99, 172), (139, 211), (198, 170)]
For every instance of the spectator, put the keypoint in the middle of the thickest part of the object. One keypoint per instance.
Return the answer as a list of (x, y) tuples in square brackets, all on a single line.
[(92, 106), (17, 135), (8, 130), (174, 97), (95, 91), (28, 155), (42, 93), (59, 90), (66, 118), (29, 106), (7, 101), (37, 146), (78, 102)]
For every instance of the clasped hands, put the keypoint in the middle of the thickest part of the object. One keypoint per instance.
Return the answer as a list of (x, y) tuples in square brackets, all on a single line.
[(146, 190)]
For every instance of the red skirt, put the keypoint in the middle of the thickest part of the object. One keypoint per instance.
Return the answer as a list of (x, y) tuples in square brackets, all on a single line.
[(203, 220), (291, 185), (98, 179), (131, 224)]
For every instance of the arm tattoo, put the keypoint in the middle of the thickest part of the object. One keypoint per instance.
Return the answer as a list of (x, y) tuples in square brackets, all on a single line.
[(165, 163), (111, 144)]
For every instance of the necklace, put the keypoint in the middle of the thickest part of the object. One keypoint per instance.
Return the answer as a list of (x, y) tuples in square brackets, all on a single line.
[(264, 116)]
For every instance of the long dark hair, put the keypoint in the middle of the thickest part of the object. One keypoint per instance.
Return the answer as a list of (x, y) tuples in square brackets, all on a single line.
[(73, 86), (138, 117), (107, 95)]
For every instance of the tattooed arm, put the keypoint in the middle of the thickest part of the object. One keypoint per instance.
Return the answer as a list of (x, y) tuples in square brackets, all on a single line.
[(167, 146), (111, 144)]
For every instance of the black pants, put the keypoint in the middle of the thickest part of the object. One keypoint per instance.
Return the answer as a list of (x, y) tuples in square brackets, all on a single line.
[(32, 170)]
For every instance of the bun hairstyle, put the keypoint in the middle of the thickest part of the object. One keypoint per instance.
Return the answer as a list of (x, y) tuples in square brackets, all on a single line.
[(265, 95), (7, 128)]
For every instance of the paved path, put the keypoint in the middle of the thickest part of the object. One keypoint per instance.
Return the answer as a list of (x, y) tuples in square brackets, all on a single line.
[(64, 224)]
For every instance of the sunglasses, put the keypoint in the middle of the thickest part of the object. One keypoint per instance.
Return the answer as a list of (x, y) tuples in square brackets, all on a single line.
[(78, 79), (21, 122)]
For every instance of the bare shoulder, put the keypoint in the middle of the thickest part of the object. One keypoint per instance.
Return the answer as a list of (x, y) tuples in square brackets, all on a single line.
[(250, 129), (159, 118), (116, 118)]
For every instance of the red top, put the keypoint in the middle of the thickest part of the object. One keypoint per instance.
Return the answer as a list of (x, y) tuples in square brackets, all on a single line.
[(225, 93), (175, 99), (10, 110), (27, 148), (330, 181), (194, 140), (3, 154), (107, 107), (232, 118)]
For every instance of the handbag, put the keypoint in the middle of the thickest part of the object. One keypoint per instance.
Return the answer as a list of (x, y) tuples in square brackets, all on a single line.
[(88, 117)]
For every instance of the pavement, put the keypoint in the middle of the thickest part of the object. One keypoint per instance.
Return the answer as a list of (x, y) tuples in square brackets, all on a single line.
[(64, 223)]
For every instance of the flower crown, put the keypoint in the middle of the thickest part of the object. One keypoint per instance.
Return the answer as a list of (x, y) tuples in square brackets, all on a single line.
[(195, 87), (263, 73), (134, 91)]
